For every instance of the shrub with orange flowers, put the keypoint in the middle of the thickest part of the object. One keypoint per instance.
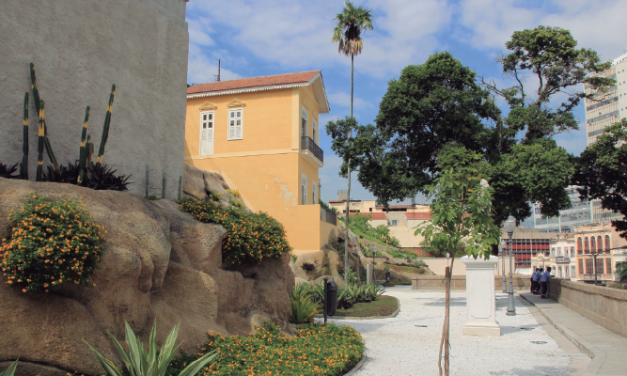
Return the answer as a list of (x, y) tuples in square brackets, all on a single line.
[(250, 237), (317, 350), (51, 243)]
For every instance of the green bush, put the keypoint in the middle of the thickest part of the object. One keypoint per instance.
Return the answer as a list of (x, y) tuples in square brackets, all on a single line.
[(346, 295), (250, 237), (303, 310), (51, 243), (317, 350), (233, 192), (236, 204), (402, 254), (213, 196), (139, 362)]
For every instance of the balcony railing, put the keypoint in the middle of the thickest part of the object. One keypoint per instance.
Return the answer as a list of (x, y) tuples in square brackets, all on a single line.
[(562, 260), (308, 144), (328, 216)]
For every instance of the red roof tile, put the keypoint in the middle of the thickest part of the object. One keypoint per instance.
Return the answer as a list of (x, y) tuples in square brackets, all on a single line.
[(276, 80), (418, 215)]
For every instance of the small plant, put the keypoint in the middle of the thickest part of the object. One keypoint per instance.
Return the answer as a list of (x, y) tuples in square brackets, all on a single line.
[(7, 172), (214, 196), (352, 276), (386, 267), (308, 267), (326, 267), (233, 192), (52, 243), (303, 310), (139, 362), (9, 371), (236, 203), (294, 258), (152, 198)]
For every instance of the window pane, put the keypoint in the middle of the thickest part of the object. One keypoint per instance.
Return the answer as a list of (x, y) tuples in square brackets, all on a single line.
[(211, 124), (210, 116), (204, 116), (239, 114), (232, 114), (232, 123), (239, 122)]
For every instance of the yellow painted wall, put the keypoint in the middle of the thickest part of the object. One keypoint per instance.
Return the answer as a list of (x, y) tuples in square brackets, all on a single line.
[(266, 166)]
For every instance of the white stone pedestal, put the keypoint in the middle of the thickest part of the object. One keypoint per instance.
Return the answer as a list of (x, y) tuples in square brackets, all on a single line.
[(480, 298)]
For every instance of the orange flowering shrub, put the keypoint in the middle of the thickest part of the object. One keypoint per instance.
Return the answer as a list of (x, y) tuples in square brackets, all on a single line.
[(249, 237), (316, 350), (51, 243)]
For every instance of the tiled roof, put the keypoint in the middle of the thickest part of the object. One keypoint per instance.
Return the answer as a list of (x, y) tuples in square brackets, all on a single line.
[(378, 216), (288, 79), (418, 215)]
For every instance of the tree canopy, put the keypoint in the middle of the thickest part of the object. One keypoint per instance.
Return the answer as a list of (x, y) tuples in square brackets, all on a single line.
[(602, 172), (441, 101)]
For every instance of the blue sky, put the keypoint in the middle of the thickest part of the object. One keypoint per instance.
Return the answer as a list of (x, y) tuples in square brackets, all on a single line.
[(260, 38)]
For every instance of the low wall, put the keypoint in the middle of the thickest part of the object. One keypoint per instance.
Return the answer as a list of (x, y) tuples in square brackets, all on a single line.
[(603, 305), (458, 282)]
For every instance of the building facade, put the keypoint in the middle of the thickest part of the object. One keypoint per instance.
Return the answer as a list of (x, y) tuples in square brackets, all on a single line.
[(602, 243), (402, 220), (261, 135)]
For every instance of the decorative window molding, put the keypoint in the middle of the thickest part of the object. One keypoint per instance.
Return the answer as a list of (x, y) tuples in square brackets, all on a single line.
[(236, 103), (235, 124), (207, 106)]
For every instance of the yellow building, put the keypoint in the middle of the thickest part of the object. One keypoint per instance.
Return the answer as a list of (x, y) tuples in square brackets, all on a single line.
[(261, 135)]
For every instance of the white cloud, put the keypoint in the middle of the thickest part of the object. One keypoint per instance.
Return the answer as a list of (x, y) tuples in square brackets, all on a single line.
[(344, 100), (601, 27), (297, 35)]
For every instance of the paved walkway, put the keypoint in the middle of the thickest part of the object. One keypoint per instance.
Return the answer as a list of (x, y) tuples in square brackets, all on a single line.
[(408, 344), (607, 349)]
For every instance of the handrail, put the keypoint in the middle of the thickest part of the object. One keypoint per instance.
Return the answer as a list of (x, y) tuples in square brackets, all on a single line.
[(308, 144)]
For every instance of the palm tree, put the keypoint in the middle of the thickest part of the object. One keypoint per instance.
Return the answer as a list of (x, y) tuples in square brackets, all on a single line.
[(350, 23)]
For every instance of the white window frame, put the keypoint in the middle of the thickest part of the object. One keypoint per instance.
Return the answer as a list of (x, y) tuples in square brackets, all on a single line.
[(313, 193), (314, 125), (213, 120), (304, 115), (228, 124), (303, 190), (394, 222)]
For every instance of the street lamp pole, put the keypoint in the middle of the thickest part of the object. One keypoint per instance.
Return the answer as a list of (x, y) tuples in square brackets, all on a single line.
[(510, 226), (503, 248), (374, 274)]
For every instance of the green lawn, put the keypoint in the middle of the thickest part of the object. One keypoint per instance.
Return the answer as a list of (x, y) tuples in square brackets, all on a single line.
[(372, 239), (383, 306)]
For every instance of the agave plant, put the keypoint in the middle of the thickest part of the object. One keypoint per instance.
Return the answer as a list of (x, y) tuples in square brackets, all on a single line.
[(139, 362), (303, 310), (9, 371), (8, 171)]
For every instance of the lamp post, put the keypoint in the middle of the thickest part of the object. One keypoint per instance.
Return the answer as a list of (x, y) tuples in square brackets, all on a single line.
[(510, 226), (448, 258), (374, 274), (503, 248)]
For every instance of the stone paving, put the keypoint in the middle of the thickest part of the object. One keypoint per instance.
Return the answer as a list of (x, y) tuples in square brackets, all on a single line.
[(408, 344)]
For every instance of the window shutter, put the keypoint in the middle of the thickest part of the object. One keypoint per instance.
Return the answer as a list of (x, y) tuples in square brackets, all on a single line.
[(238, 124)]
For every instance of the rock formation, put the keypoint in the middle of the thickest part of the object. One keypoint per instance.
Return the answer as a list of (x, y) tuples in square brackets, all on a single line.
[(158, 263)]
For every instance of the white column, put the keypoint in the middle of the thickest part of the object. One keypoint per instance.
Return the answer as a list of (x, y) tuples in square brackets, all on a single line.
[(480, 297)]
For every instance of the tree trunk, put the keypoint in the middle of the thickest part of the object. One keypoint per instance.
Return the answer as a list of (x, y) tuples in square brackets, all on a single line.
[(444, 341), (348, 192)]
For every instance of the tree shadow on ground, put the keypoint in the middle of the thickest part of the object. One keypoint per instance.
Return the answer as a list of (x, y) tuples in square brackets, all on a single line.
[(505, 329)]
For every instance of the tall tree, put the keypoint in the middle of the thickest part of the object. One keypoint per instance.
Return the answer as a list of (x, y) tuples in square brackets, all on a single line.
[(429, 106), (462, 218), (351, 22), (602, 172)]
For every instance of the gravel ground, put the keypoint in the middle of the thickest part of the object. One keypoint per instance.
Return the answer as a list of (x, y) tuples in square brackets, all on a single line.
[(397, 346)]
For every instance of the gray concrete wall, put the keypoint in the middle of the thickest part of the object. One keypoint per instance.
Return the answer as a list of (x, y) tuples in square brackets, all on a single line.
[(458, 282), (603, 305), (80, 48)]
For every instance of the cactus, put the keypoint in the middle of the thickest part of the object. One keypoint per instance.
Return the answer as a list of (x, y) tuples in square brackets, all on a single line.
[(24, 164), (51, 156), (90, 152), (105, 128), (83, 150), (40, 146)]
